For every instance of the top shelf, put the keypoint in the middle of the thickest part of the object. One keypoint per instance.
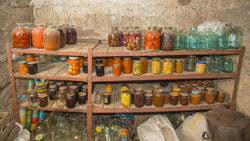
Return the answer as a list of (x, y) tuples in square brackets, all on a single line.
[(79, 49), (103, 50)]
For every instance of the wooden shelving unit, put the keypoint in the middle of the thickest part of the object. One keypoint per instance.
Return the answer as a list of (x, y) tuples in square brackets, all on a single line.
[(97, 49)]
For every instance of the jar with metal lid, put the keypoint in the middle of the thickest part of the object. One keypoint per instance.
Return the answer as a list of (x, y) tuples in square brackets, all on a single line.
[(155, 87), (178, 66), (52, 92), (184, 99), (189, 63), (148, 99), (109, 88), (174, 98), (188, 86), (195, 97), (71, 35), (33, 99), (51, 38), (125, 98), (107, 98), (110, 61), (210, 95), (73, 65), (99, 69), (70, 100), (127, 65), (144, 64), (152, 39), (156, 66), (220, 96), (114, 37), (43, 100), (166, 94), (200, 67), (137, 67), (117, 60), (124, 36), (21, 37), (32, 67), (167, 66), (183, 88), (202, 92), (139, 97), (134, 39), (227, 65), (23, 67), (82, 97), (132, 92), (61, 96), (30, 58), (69, 83), (85, 67), (60, 83), (158, 98), (167, 39), (41, 88), (117, 69), (62, 35), (75, 89)]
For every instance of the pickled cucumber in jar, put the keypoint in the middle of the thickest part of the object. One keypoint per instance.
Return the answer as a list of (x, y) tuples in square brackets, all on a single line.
[(137, 67)]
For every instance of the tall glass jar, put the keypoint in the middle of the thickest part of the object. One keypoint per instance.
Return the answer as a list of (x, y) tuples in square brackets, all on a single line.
[(190, 62), (37, 36), (137, 67), (21, 37), (134, 39), (194, 39), (178, 40), (144, 64), (156, 66), (114, 38), (167, 66), (209, 60), (52, 92), (51, 38), (125, 98), (221, 34), (62, 35), (152, 40), (127, 65), (227, 65), (234, 37), (158, 99), (124, 36), (139, 97), (207, 39), (168, 39), (71, 35)]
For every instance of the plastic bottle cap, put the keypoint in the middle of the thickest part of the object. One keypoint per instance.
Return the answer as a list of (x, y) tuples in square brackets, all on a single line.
[(22, 62), (195, 92)]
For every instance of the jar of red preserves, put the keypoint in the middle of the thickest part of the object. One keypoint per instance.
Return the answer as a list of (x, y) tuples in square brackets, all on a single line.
[(152, 40), (62, 35), (124, 36), (134, 39), (37, 36), (51, 38), (21, 37), (71, 35)]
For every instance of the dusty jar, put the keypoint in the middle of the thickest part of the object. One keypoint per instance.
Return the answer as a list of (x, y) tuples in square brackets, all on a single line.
[(158, 98), (195, 97), (210, 95), (51, 38), (156, 66), (139, 97)]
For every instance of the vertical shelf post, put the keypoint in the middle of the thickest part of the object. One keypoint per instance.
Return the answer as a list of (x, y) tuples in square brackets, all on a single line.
[(89, 104)]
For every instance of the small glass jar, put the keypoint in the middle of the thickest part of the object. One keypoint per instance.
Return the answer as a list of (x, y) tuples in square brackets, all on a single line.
[(158, 98), (125, 98), (82, 97), (144, 64), (188, 86), (174, 98), (220, 96), (110, 61), (85, 67), (23, 67), (117, 69), (168, 39), (21, 37), (189, 64), (109, 88), (184, 99), (32, 67), (114, 37), (127, 65), (156, 66), (227, 65), (107, 98), (60, 102), (71, 35), (148, 99), (99, 69), (137, 67), (178, 66), (134, 39), (73, 65), (52, 92), (210, 95), (62, 35), (139, 97), (202, 92), (33, 99), (152, 40), (167, 66), (70, 100), (124, 36), (166, 96), (200, 67), (43, 100), (195, 97), (30, 58), (51, 38), (132, 92), (183, 88)]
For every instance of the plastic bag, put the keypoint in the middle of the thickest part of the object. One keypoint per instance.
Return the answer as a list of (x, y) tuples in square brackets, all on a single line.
[(157, 128), (212, 24)]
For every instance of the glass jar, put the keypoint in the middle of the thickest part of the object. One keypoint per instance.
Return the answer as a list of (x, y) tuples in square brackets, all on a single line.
[(156, 66), (70, 100), (82, 97), (167, 66), (189, 64), (188, 86), (174, 98), (202, 92), (64, 27), (23, 67), (159, 30), (194, 40), (207, 39), (178, 66), (75, 90), (110, 61), (51, 38), (117, 60), (125, 98), (71, 35), (43, 100), (184, 99), (85, 89), (178, 40), (166, 96), (210, 95), (137, 67), (155, 87), (167, 40), (105, 62), (144, 64), (139, 97), (30, 58), (73, 65), (61, 96), (220, 96), (37, 36), (109, 88), (152, 40), (234, 37), (29, 27), (114, 38), (127, 65), (227, 65), (200, 67), (195, 97), (52, 92), (107, 98), (148, 99), (134, 39), (218, 64), (209, 60), (62, 35), (33, 99), (185, 39), (124, 87), (124, 36), (21, 37), (221, 34), (32, 67), (99, 69), (85, 67), (41, 88), (158, 98), (183, 89), (117, 69)]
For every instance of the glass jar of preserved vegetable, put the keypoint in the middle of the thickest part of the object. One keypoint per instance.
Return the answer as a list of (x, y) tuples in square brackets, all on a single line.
[(210, 95), (166, 96), (158, 98), (174, 98), (178, 66), (62, 35), (234, 37), (70, 100), (125, 98), (202, 92), (21, 37), (167, 66), (184, 99), (99, 69), (52, 92), (139, 97), (109, 88), (137, 67), (220, 96), (221, 34), (152, 40), (124, 36), (195, 97), (227, 65), (127, 65), (114, 38), (51, 38), (156, 66), (73, 65), (37, 36), (148, 99), (168, 39), (200, 67), (194, 39), (117, 69), (33, 99), (144, 64), (134, 39), (189, 64), (23, 67), (71, 35)]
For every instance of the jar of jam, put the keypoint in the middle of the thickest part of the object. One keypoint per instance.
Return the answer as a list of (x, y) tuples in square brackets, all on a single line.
[(37, 36), (195, 97), (167, 66), (114, 38), (52, 92), (41, 88), (188, 86), (183, 88), (148, 99), (174, 98), (70, 100), (82, 97), (99, 69), (134, 39), (73, 65), (156, 65), (132, 92), (116, 69), (184, 99), (158, 98), (85, 67), (210, 95), (200, 67), (166, 96), (202, 92), (74, 89), (137, 67), (21, 37), (30, 58), (32, 67), (71, 35), (62, 35), (43, 100), (139, 97), (23, 67), (178, 66), (117, 60), (167, 39), (109, 88), (144, 64), (105, 62), (220, 96), (51, 38), (107, 98), (124, 36), (152, 40), (110, 61), (33, 99), (127, 65), (125, 98)]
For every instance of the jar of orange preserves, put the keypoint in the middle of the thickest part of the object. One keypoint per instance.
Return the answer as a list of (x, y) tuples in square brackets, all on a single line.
[(117, 60), (23, 67), (51, 38), (127, 65), (37, 36), (110, 61), (105, 61), (167, 66), (144, 64), (152, 40), (116, 69), (30, 58), (81, 60), (21, 37), (73, 66), (178, 66)]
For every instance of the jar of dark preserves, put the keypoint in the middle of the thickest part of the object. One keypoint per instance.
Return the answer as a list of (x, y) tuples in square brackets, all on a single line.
[(114, 38), (32, 66), (52, 92), (220, 96), (132, 92), (98, 61), (210, 95), (167, 40), (202, 92), (148, 99), (84, 89), (139, 97), (75, 90), (43, 100), (82, 97), (85, 67), (106, 98), (166, 96), (62, 35), (79, 85), (33, 99), (99, 70), (71, 35), (174, 98), (158, 98), (184, 99), (70, 100)]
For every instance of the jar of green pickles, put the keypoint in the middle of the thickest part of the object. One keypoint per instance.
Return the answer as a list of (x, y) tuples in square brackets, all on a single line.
[(114, 37), (137, 67)]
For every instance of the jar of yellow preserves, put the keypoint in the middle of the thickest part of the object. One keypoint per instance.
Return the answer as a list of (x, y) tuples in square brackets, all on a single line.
[(109, 88), (156, 66), (200, 67), (178, 66), (125, 98), (137, 67), (124, 87), (167, 66)]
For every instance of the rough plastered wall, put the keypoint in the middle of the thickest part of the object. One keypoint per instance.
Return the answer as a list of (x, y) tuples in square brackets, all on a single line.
[(11, 12)]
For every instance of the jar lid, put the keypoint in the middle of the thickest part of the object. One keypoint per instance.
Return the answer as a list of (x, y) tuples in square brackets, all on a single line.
[(182, 86), (59, 83), (143, 58), (32, 92), (204, 82), (176, 89), (127, 58), (82, 94), (137, 61), (116, 65), (22, 62), (52, 86), (148, 95), (69, 83), (107, 93), (166, 91), (117, 58), (138, 89), (42, 95), (32, 63), (195, 92), (73, 87), (174, 94), (84, 86), (210, 89), (40, 84), (158, 90), (73, 58), (125, 92), (168, 59), (62, 88), (184, 94), (201, 62), (70, 94), (51, 82), (156, 59), (201, 88)]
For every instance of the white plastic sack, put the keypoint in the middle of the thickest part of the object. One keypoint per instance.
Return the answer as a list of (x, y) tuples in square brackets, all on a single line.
[(23, 134), (212, 24), (157, 128), (192, 128)]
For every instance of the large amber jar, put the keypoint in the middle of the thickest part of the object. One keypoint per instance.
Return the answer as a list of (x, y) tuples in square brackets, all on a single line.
[(167, 66), (37, 36), (195, 97), (134, 39), (167, 40), (62, 35), (127, 65), (152, 40), (114, 38), (51, 38), (156, 65), (21, 37), (178, 67), (158, 99), (139, 97), (71, 35), (210, 95), (144, 64)]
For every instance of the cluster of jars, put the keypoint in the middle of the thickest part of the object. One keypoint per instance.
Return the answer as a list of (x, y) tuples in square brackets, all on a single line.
[(59, 126), (49, 37), (63, 93), (28, 66), (175, 39)]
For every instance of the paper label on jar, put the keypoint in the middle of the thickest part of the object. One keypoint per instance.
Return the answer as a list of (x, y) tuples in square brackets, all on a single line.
[(105, 100), (69, 67)]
